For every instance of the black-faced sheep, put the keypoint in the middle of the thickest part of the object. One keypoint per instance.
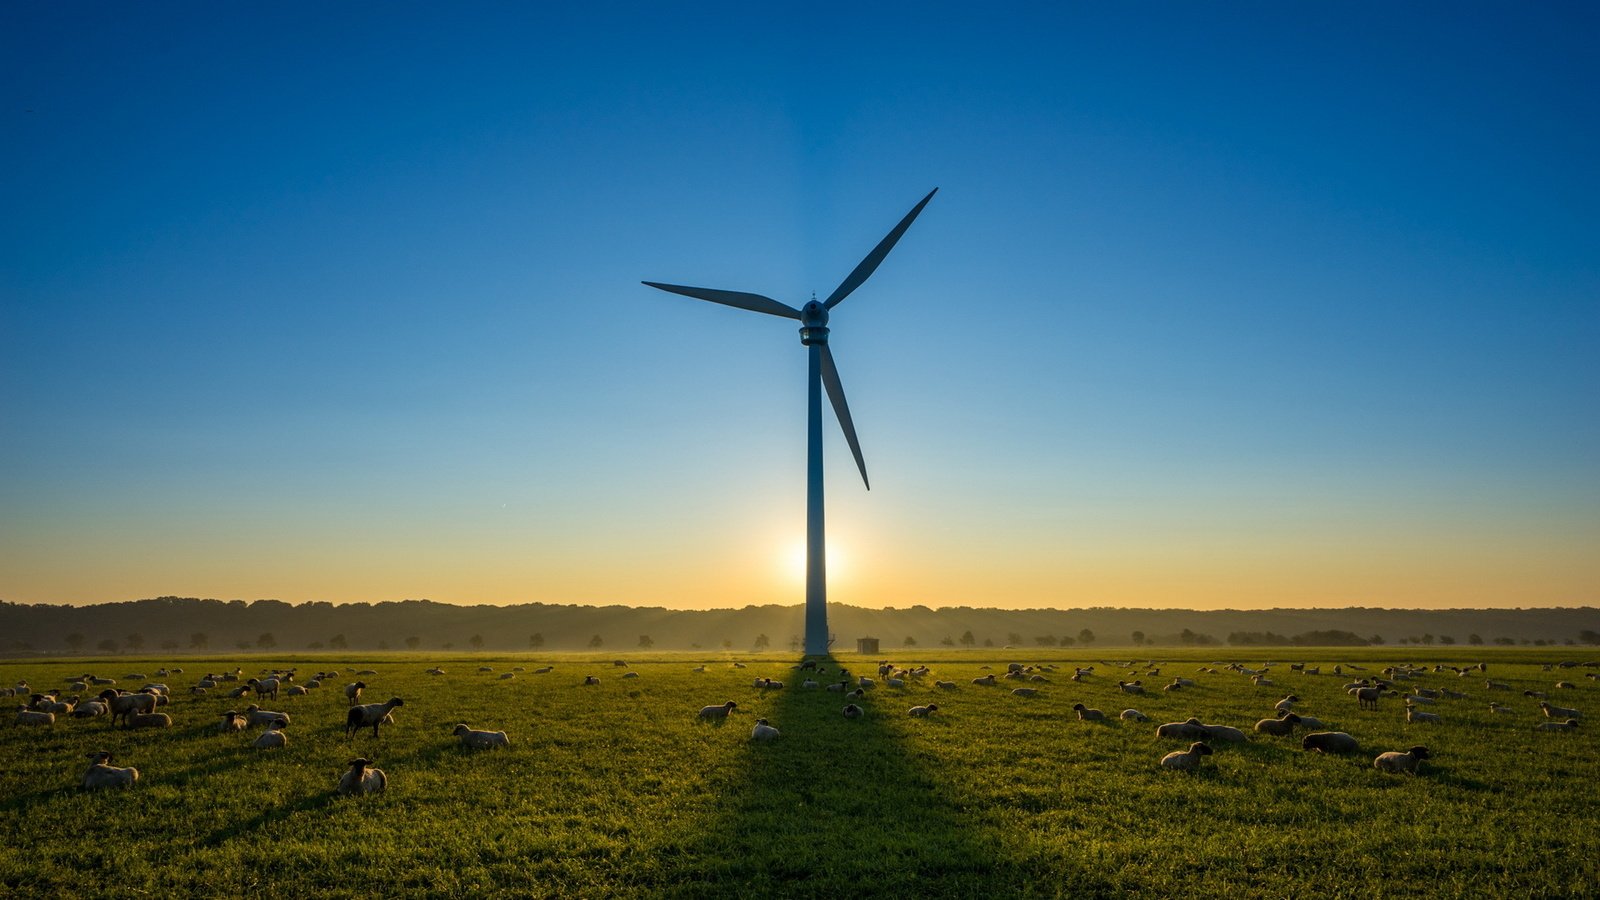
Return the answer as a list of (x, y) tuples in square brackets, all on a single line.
[(1085, 714), (717, 712), (1400, 763), (852, 711), (481, 740), (362, 778), (1186, 760), (1278, 727), (1329, 742), (102, 774), (922, 712), (763, 731), (369, 714)]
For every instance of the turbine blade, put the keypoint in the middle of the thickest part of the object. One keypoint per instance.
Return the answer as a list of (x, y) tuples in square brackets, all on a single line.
[(830, 380), (740, 299), (869, 265)]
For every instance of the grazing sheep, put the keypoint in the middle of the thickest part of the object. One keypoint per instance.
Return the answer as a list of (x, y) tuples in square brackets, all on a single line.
[(717, 712), (231, 722), (1278, 727), (1329, 742), (265, 687), (1418, 716), (626, 675), (123, 705), (1559, 712), (352, 691), (590, 681), (1568, 725), (1131, 687), (481, 740), (271, 739), (1225, 733), (763, 731), (1190, 730), (1133, 715), (1400, 763), (255, 715), (102, 774), (866, 682), (149, 720), (852, 711), (1367, 697), (985, 679), (362, 778), (922, 712), (297, 690), (1085, 714), (372, 714), (895, 682), (1186, 760), (26, 716)]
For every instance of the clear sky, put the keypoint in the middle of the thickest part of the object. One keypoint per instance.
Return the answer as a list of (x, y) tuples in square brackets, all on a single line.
[(1218, 305)]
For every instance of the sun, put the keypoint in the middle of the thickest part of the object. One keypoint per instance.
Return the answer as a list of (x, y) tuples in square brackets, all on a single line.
[(794, 562)]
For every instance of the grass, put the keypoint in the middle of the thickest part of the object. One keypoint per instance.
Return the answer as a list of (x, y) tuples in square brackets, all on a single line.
[(617, 790)]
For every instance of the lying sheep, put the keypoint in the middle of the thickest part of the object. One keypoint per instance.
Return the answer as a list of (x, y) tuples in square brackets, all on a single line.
[(1286, 703), (1329, 742), (1568, 725), (149, 720), (1186, 760), (1419, 717), (255, 715), (544, 670), (763, 731), (1190, 730), (1133, 715), (985, 680), (922, 712), (1278, 727), (232, 722), (26, 716), (1400, 763), (1225, 733), (1025, 692), (590, 681), (362, 778), (1131, 687), (717, 712), (852, 711), (809, 684), (271, 739), (1559, 712), (480, 740), (1085, 714), (102, 774), (370, 714), (88, 709)]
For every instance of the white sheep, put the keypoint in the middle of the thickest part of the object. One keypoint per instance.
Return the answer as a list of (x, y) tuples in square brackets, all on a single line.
[(352, 691), (1329, 742), (809, 683), (1568, 725), (717, 712), (102, 774), (362, 778), (255, 715), (26, 716), (1025, 692), (265, 687), (1278, 727), (1189, 730), (123, 705), (763, 731), (149, 720), (1287, 702), (985, 679), (481, 740), (1418, 716), (1085, 714), (1400, 763), (369, 714), (271, 739), (232, 721), (1133, 715), (1186, 760), (1224, 733), (1131, 687), (590, 681), (922, 712), (852, 711), (1559, 712), (88, 709)]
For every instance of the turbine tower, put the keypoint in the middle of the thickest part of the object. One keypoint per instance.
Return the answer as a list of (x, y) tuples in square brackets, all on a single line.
[(822, 374)]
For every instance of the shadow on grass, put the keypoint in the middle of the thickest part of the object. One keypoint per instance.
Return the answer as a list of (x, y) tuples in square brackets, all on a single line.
[(839, 807)]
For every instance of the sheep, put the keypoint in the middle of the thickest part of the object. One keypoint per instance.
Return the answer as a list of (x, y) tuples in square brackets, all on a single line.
[(590, 681), (1174, 686), (480, 740), (809, 683), (1189, 730), (1415, 699), (149, 720), (372, 714), (1085, 714), (271, 739), (102, 774), (296, 690), (544, 670), (1367, 697), (88, 709), (895, 682), (1400, 763), (255, 715), (866, 682), (124, 705), (922, 712), (985, 679), (1224, 733), (945, 685), (763, 731), (1559, 712), (1329, 742), (717, 712), (352, 691), (1287, 702), (1131, 687), (265, 687), (1186, 760), (1133, 715), (840, 687), (242, 690), (362, 778), (1501, 709), (1568, 725), (624, 675), (1024, 692), (1566, 686), (26, 716), (435, 671), (1279, 727), (852, 711), (1418, 716), (1496, 686), (232, 721), (768, 684)]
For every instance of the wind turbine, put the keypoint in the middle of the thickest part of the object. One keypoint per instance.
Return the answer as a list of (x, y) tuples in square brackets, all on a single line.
[(822, 374)]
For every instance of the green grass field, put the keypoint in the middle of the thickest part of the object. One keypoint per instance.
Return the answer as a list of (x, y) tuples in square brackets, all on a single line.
[(617, 789)]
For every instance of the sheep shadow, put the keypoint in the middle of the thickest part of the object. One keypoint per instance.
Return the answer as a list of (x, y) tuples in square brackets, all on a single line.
[(838, 806)]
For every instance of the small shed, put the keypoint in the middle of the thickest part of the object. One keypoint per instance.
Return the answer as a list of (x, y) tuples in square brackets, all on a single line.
[(867, 646)]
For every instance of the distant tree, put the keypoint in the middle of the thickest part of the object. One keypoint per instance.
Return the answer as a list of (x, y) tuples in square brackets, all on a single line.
[(1504, 641), (169, 644), (1187, 637), (413, 642), (242, 645), (383, 645), (910, 641), (1446, 639), (794, 643), (646, 641), (535, 640), (1045, 640), (763, 642), (595, 641), (339, 642), (75, 640), (1589, 636), (988, 642), (476, 641), (948, 641), (1086, 637), (967, 640), (109, 645), (199, 640), (1013, 638), (727, 643), (314, 645), (1540, 642), (1329, 638), (1475, 640), (1138, 639), (1427, 639), (266, 641), (134, 641), (1375, 639)]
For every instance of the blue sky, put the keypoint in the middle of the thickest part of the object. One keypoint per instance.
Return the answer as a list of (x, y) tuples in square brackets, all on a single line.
[(1236, 306)]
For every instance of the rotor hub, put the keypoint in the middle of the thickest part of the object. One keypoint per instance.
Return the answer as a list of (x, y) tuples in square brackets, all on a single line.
[(813, 323)]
